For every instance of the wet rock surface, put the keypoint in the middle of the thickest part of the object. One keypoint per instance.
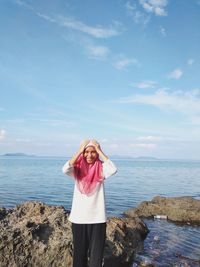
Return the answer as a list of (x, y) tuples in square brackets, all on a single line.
[(184, 210), (37, 235)]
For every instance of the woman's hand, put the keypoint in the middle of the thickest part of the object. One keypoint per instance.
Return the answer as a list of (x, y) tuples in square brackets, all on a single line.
[(83, 145), (80, 151), (96, 146), (99, 150)]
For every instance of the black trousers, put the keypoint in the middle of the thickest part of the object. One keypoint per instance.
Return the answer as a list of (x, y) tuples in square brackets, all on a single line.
[(89, 241)]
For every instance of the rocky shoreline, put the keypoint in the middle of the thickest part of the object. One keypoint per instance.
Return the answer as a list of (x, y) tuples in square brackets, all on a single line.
[(183, 210), (34, 234)]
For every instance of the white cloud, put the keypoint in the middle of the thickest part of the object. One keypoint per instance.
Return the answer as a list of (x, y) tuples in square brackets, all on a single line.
[(136, 14), (145, 84), (24, 4), (52, 122), (155, 6), (71, 23), (176, 74), (104, 140), (125, 62), (190, 61), (144, 145), (2, 134), (24, 140), (97, 52), (146, 142), (130, 7), (95, 31), (142, 10), (195, 120), (43, 16), (149, 138), (14, 121), (74, 24), (114, 146), (91, 49), (163, 31), (19, 2), (185, 102)]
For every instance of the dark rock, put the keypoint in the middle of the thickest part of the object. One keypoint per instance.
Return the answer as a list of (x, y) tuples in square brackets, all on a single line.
[(37, 235), (124, 238), (3, 213), (177, 209)]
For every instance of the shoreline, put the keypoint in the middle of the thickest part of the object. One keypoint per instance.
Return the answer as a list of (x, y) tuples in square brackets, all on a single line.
[(37, 234), (151, 252)]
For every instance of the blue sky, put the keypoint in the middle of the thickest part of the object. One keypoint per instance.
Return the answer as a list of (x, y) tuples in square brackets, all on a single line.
[(126, 73)]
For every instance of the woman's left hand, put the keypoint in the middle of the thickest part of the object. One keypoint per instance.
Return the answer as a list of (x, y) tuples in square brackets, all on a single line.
[(99, 150), (96, 145)]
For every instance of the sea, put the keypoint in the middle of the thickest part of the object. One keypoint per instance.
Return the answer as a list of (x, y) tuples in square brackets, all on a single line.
[(167, 244)]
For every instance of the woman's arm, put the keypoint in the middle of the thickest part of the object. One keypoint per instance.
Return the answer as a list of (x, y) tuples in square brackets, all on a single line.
[(109, 167), (99, 150), (68, 168), (81, 149)]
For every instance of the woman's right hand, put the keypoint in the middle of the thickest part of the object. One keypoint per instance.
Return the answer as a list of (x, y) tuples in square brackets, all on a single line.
[(83, 145), (80, 151)]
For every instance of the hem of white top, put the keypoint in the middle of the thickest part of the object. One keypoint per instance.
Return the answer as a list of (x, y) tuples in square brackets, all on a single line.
[(90, 222)]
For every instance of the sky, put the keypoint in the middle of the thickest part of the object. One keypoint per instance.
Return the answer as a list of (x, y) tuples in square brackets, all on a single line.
[(123, 72)]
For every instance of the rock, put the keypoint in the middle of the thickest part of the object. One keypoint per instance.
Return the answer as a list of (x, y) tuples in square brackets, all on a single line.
[(3, 213), (37, 235), (177, 209), (34, 234), (145, 261), (124, 238)]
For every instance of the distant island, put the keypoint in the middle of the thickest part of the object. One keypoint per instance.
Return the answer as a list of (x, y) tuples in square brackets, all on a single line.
[(135, 158), (17, 155)]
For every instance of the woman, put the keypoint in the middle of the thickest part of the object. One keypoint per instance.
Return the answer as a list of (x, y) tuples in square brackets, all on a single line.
[(88, 212)]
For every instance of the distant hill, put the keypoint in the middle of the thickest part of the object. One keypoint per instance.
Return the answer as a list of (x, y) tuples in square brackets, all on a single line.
[(120, 157), (18, 155), (135, 158)]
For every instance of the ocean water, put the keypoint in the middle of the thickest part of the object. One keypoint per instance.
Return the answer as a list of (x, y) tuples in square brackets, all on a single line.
[(41, 179)]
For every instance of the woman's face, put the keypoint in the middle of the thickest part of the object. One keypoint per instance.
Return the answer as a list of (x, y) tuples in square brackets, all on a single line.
[(90, 154)]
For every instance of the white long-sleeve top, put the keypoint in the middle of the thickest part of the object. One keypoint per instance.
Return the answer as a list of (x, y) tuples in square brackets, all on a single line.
[(88, 209)]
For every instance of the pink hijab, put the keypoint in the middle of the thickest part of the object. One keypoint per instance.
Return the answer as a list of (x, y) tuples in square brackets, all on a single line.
[(87, 175)]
